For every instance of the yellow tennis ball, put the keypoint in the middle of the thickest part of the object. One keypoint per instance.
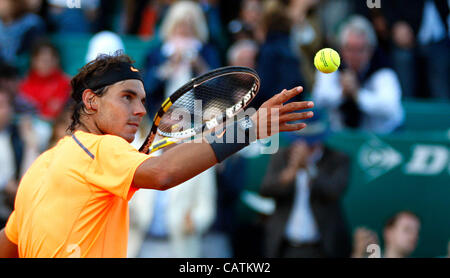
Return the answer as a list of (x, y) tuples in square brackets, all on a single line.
[(327, 60)]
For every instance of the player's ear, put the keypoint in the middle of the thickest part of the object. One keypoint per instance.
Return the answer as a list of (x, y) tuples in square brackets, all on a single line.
[(90, 100)]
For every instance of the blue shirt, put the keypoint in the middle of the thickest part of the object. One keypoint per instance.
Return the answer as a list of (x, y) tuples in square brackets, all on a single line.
[(18, 35)]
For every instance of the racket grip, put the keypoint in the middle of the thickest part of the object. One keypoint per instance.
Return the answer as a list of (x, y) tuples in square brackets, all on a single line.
[(232, 138)]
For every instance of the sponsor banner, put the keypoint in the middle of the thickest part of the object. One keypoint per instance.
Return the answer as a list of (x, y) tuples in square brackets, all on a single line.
[(400, 171)]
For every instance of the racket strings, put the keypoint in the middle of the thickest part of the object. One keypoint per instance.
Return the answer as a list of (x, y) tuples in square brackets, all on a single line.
[(205, 101)]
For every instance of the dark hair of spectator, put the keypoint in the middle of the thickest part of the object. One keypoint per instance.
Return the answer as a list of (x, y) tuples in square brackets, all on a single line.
[(7, 92), (275, 17), (19, 8), (61, 120), (43, 44), (79, 82), (393, 220), (8, 71)]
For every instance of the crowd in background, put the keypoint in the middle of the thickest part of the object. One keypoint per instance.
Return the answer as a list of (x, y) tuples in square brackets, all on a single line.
[(388, 54)]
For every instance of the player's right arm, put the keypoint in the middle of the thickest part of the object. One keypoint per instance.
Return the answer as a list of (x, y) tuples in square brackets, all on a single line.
[(174, 166), (7, 248), (187, 160)]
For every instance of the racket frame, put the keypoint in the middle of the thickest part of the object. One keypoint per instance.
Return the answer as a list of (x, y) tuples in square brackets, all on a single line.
[(148, 146)]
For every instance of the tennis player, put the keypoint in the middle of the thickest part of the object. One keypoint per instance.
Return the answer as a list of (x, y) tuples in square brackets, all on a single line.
[(73, 201)]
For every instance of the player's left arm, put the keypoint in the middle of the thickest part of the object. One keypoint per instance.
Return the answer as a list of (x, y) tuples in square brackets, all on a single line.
[(7, 248), (187, 160)]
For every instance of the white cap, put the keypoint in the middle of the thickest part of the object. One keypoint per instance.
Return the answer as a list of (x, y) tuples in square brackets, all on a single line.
[(81, 4), (104, 42)]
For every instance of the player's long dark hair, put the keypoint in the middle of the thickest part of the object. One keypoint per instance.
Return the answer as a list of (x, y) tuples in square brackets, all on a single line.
[(79, 82)]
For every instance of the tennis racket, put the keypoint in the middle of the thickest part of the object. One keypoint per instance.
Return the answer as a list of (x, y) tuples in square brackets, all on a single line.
[(201, 105)]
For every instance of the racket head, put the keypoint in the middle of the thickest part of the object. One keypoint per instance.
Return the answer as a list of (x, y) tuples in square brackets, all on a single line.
[(202, 104)]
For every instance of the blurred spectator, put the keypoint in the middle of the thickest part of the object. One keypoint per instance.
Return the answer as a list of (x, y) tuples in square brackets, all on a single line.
[(380, 23), (18, 29), (277, 63), (150, 15), (239, 31), (108, 13), (171, 223), (400, 234), (364, 93), (34, 6), (448, 249), (46, 86), (149, 232), (10, 80), (9, 153), (217, 36), (248, 24), (243, 53), (132, 16), (194, 207), (250, 208), (218, 241), (104, 42), (307, 181), (245, 221), (39, 7), (72, 16), (9, 77), (306, 35), (153, 16), (183, 54), (18, 149), (362, 238), (229, 9), (420, 34), (60, 126), (332, 14)]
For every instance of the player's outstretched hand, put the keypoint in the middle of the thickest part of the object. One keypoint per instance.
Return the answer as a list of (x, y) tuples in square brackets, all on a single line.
[(274, 115)]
